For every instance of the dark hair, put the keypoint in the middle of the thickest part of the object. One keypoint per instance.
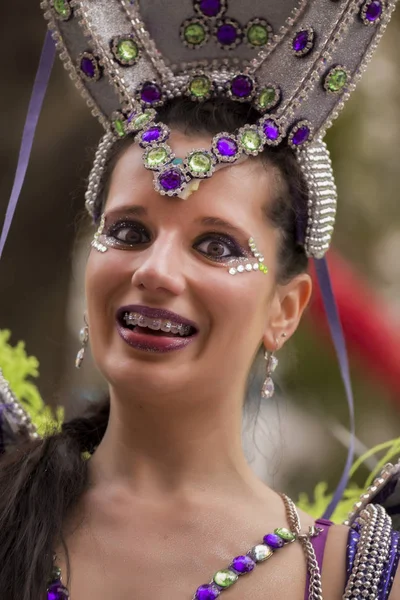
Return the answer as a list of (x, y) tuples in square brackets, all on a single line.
[(41, 481)]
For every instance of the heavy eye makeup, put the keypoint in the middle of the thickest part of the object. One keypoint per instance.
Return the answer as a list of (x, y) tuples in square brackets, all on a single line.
[(128, 234)]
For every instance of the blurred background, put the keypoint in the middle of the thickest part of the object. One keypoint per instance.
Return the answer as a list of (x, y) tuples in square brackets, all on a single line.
[(302, 434)]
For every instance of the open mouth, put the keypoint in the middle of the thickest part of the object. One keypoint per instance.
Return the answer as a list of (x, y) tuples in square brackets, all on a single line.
[(154, 326)]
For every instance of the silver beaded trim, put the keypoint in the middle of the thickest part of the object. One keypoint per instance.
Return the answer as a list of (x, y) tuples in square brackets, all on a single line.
[(22, 420), (372, 553), (96, 174), (316, 166)]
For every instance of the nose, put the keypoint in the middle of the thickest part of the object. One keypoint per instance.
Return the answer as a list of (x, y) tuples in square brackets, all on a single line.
[(161, 267)]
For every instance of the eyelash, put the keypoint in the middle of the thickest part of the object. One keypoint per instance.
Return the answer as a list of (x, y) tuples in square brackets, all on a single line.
[(235, 249)]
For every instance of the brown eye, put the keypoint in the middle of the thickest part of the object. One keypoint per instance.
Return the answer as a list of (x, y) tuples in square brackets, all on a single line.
[(218, 247), (215, 249), (129, 233)]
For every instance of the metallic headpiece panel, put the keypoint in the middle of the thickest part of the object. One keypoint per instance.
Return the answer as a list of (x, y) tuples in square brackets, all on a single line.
[(297, 61)]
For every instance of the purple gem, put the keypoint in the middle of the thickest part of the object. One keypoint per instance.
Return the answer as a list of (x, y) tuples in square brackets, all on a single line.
[(210, 8), (171, 179), (88, 66), (243, 564), (150, 93), (273, 541), (301, 135), (241, 86), (207, 592), (227, 34), (152, 134), (57, 591), (373, 11), (271, 130), (301, 40), (227, 146)]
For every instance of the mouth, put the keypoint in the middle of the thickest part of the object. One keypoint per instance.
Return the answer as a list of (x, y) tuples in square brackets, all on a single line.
[(155, 330)]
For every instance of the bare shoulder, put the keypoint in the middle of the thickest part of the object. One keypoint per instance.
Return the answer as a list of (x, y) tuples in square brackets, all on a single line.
[(395, 593), (334, 564)]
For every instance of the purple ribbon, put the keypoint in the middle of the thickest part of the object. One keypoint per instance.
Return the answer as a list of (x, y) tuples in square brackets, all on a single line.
[(335, 326), (35, 106)]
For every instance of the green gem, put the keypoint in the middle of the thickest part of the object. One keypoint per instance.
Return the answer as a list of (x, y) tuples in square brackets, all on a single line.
[(257, 35), (62, 8), (225, 578), (127, 50), (194, 34), (200, 163), (141, 120), (119, 127), (267, 97), (251, 140), (156, 157), (336, 80), (285, 534), (200, 86)]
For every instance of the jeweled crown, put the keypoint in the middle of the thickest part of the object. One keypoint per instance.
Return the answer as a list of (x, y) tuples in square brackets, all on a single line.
[(296, 61)]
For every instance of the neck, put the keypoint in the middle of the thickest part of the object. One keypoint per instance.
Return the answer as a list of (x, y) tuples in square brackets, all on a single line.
[(176, 447)]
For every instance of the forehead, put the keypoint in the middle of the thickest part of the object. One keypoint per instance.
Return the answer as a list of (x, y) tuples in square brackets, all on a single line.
[(236, 192)]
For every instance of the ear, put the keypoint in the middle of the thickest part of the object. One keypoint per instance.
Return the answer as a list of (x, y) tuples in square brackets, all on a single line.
[(287, 308)]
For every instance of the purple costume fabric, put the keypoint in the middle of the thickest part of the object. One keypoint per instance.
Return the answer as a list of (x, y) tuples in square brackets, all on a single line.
[(319, 544)]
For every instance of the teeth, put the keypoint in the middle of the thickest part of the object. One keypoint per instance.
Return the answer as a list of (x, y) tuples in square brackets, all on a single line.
[(156, 324)]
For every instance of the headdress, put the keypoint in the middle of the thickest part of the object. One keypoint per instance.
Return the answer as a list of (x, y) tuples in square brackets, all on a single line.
[(296, 61)]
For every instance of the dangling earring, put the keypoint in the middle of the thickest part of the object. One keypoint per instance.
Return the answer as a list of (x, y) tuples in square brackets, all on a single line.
[(268, 388), (84, 338)]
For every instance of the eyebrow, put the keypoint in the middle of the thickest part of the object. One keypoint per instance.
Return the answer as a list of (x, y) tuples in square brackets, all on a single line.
[(132, 209)]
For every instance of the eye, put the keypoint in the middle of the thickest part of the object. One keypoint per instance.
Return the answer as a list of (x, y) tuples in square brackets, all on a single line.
[(130, 233), (219, 247)]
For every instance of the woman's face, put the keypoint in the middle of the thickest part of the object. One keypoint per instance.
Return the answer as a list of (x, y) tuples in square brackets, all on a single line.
[(169, 254)]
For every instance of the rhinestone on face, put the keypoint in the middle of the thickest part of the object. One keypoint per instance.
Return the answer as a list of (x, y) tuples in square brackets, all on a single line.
[(89, 66), (257, 33), (225, 147), (336, 80), (156, 157), (225, 578), (62, 9), (211, 9), (371, 12), (228, 34), (194, 33), (200, 164), (241, 87), (250, 140), (260, 552), (285, 534), (200, 87), (243, 564), (125, 50), (300, 134), (268, 98), (303, 42), (207, 592)]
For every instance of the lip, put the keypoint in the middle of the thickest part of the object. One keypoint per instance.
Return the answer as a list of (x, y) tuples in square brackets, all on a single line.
[(153, 343)]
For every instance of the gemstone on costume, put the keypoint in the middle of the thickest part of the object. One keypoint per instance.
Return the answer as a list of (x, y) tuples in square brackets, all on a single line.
[(271, 130), (268, 97), (303, 42), (211, 8), (285, 534), (207, 592), (136, 122), (119, 127), (156, 157), (153, 134), (371, 12), (62, 9), (57, 591), (273, 540), (225, 578), (89, 66), (125, 50), (243, 564), (200, 87), (250, 140), (150, 93), (257, 32), (268, 388), (228, 33), (171, 180), (300, 134), (242, 87), (194, 33), (260, 552), (200, 164), (336, 79), (227, 146)]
